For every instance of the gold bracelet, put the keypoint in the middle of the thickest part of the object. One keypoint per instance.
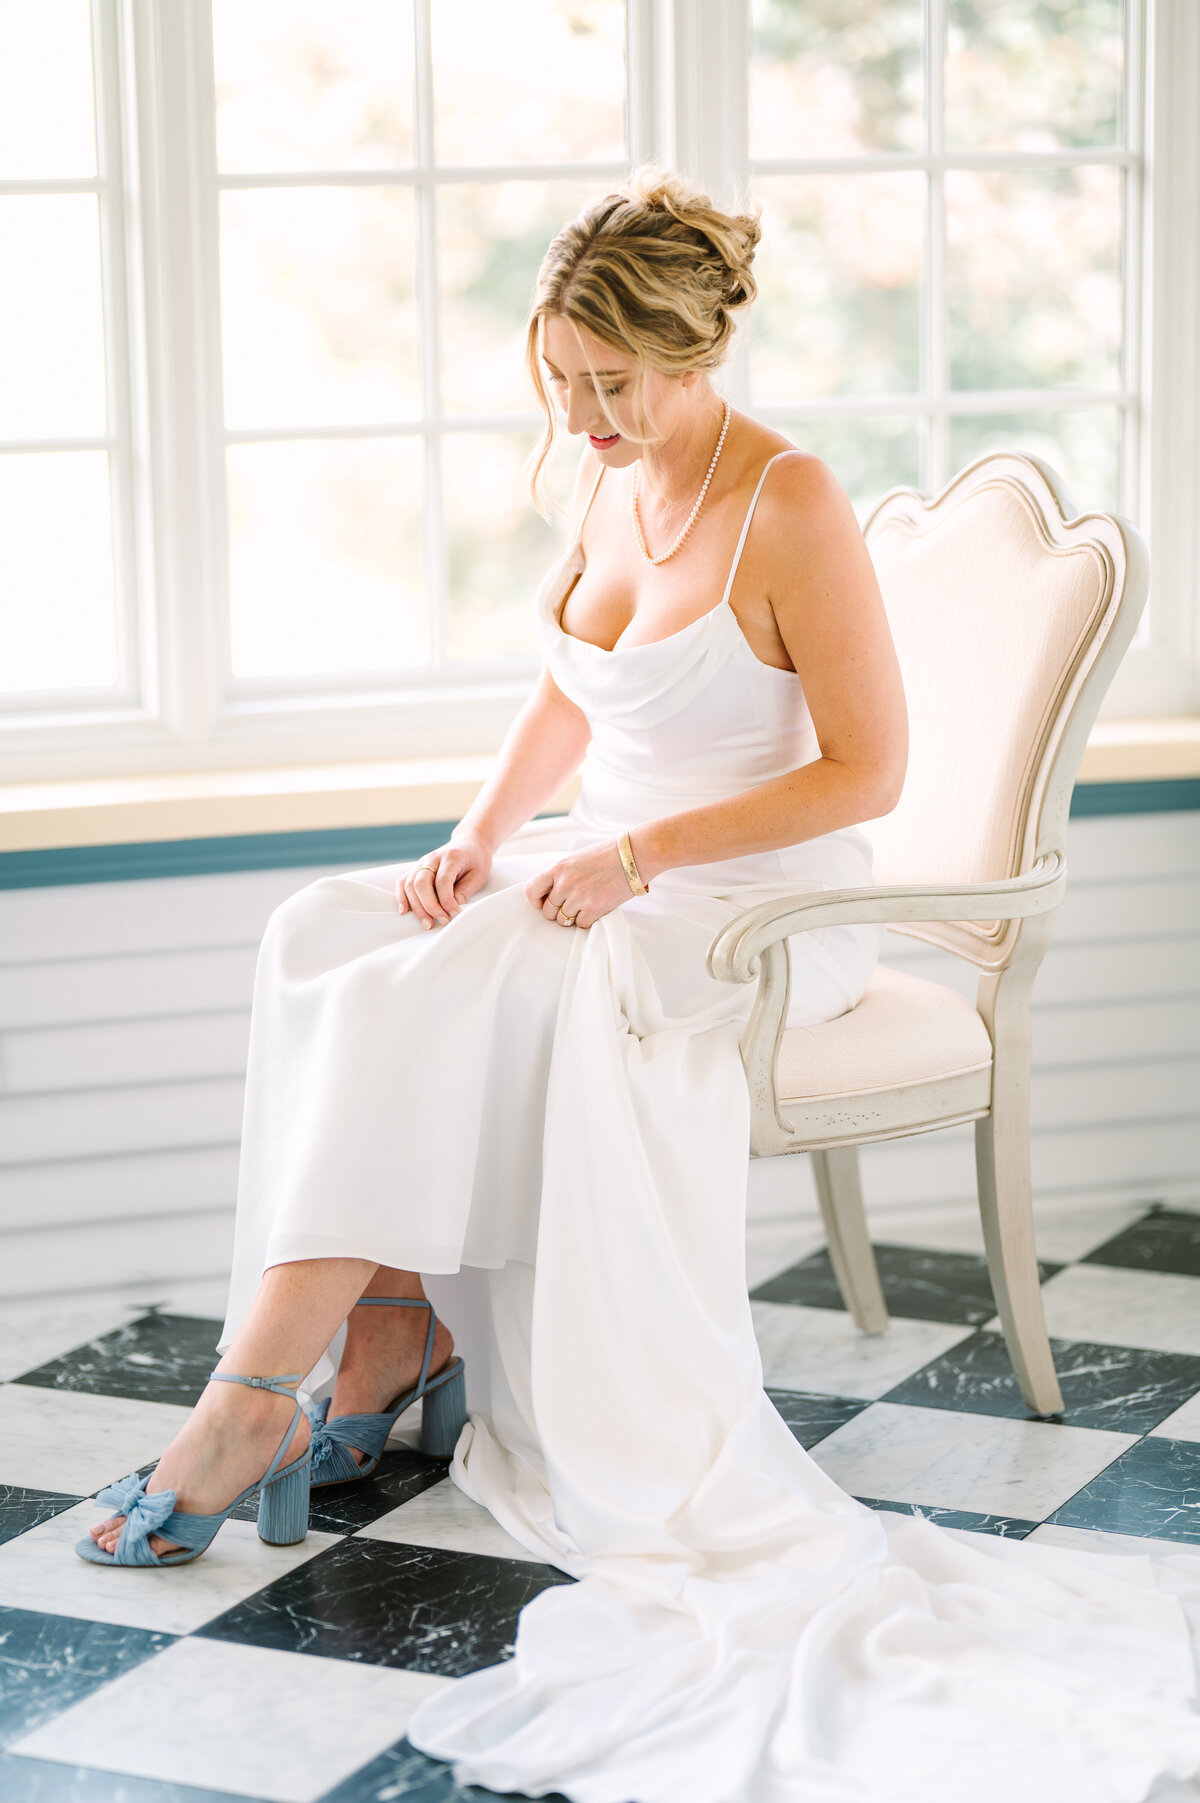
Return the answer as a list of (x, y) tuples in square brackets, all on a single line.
[(636, 884)]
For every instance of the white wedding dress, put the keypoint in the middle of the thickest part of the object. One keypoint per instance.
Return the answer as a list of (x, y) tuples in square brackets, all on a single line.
[(552, 1125)]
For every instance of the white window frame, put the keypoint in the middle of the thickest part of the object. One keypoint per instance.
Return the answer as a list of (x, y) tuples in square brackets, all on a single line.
[(180, 708)]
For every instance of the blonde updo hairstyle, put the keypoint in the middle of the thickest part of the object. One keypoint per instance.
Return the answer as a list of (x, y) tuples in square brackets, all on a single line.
[(654, 270)]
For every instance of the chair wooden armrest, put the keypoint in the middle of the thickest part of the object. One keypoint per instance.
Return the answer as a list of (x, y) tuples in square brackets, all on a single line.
[(735, 953)]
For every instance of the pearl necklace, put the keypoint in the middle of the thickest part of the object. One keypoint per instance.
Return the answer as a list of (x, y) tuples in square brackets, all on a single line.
[(691, 519)]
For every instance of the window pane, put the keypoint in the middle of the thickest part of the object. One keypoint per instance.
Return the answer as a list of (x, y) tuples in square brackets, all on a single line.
[(1083, 445), (1033, 278), (834, 77), (498, 546), (305, 85), (51, 331), (1032, 75), (839, 271), (868, 456), (546, 87), (317, 292), (325, 548), (58, 627), (47, 127), (491, 241)]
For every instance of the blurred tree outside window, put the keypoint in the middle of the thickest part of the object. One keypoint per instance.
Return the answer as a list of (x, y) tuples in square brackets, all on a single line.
[(946, 192)]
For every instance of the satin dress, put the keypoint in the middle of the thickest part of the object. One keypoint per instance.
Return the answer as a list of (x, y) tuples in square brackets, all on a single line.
[(551, 1124)]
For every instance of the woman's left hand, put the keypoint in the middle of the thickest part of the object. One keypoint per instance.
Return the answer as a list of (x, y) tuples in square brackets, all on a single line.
[(584, 884)]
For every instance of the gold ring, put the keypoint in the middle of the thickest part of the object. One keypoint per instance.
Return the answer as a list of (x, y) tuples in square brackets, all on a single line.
[(425, 867), (568, 919)]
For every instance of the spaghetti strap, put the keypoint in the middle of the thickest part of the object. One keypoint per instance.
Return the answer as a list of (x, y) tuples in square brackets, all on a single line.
[(737, 556)]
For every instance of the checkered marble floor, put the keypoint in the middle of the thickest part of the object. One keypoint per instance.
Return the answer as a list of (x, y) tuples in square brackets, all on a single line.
[(289, 1674)]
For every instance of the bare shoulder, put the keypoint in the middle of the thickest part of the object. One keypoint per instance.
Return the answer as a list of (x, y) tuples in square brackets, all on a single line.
[(802, 498)]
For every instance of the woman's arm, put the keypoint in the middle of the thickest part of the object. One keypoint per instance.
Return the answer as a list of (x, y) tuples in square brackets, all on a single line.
[(821, 584), (542, 748)]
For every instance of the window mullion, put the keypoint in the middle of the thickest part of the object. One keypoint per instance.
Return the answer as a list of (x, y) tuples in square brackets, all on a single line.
[(1174, 354), (178, 209), (434, 542), (934, 372)]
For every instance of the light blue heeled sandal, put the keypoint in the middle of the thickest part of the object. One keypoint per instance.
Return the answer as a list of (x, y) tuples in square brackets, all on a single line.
[(443, 1413), (282, 1503)]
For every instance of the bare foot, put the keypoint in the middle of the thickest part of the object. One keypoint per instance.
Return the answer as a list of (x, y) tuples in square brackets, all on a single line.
[(382, 1359), (233, 1434)]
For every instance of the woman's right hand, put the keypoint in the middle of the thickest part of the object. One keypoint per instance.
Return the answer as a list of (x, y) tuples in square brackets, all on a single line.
[(452, 874)]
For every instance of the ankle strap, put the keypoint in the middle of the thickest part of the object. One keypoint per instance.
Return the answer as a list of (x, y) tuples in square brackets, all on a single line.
[(259, 1383)]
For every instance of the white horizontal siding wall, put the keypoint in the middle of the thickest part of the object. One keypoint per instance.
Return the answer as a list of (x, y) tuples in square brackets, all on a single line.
[(124, 1011)]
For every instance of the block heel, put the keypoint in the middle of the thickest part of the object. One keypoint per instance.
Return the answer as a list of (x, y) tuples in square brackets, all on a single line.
[(283, 1508), (444, 1411)]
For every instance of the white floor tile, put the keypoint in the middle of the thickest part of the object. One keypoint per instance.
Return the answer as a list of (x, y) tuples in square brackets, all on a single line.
[(983, 1463), (72, 1442), (207, 1297), (821, 1349), (41, 1570), (249, 1720), (1156, 1310), (1184, 1424), (443, 1516), (772, 1247), (1096, 1540), (1062, 1233)]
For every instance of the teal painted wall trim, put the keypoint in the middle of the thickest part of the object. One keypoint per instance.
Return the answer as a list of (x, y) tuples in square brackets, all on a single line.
[(1166, 795), (364, 846)]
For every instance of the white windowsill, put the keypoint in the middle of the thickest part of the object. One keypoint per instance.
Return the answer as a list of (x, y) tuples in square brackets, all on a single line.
[(130, 810)]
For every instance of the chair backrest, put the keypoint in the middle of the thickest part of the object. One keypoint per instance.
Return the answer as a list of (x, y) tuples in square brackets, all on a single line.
[(1010, 618)]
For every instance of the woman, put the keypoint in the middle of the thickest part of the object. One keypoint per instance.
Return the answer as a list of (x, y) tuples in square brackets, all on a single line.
[(508, 1070)]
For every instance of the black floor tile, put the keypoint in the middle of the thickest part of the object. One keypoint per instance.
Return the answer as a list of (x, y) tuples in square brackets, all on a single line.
[(45, 1781), (1166, 1239), (1121, 1388), (811, 1416), (24, 1509), (918, 1285), (1153, 1489), (1006, 1527), (157, 1358), (402, 1775), (49, 1662), (421, 1608)]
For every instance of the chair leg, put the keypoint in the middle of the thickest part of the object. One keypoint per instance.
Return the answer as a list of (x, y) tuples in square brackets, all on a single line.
[(850, 1252), (1006, 1210)]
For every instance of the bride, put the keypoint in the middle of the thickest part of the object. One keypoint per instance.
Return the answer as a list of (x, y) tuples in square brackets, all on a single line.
[(507, 1070)]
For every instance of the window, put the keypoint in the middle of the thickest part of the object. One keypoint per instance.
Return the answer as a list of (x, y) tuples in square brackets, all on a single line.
[(952, 197), (65, 488), (386, 186), (263, 415)]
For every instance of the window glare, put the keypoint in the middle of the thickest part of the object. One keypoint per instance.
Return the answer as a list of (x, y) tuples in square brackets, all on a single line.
[(56, 590), (305, 85), (47, 124)]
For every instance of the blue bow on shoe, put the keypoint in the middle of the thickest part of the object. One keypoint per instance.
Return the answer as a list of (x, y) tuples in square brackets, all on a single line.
[(144, 1515), (332, 1460)]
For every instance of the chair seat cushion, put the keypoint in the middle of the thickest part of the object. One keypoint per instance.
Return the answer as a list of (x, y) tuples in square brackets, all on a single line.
[(904, 1030)]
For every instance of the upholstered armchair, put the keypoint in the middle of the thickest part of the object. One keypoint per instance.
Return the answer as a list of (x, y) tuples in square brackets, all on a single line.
[(1010, 617)]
